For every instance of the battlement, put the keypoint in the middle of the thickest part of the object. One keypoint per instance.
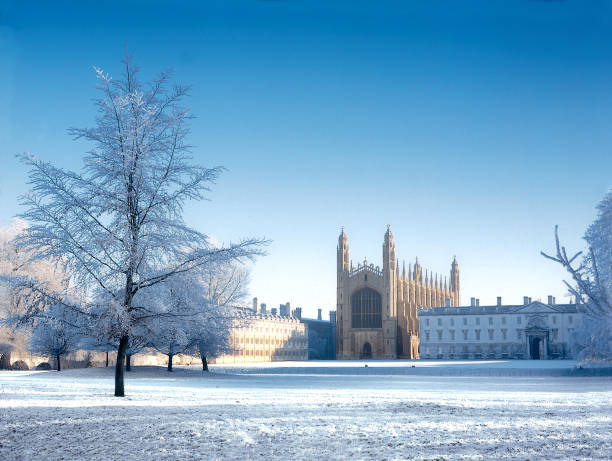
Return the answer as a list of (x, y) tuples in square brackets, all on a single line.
[(365, 268)]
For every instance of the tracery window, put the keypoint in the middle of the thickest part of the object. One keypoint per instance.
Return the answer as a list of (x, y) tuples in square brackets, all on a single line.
[(366, 308)]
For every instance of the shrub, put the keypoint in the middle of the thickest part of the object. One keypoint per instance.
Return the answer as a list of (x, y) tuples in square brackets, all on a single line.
[(43, 366), (20, 365)]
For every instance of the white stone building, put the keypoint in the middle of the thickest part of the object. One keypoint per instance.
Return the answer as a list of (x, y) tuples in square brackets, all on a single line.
[(533, 330), (258, 337)]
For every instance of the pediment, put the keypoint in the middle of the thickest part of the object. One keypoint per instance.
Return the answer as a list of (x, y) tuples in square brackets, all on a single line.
[(536, 307)]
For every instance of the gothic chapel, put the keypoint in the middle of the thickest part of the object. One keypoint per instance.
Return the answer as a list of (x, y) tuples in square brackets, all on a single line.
[(377, 308)]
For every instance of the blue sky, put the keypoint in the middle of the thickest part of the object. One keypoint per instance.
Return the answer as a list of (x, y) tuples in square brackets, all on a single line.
[(472, 128)]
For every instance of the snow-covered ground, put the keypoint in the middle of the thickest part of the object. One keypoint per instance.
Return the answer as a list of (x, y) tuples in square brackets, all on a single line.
[(310, 410)]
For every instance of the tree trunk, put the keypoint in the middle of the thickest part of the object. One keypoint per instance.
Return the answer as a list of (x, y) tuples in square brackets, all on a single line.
[(170, 361), (5, 361), (204, 363), (106, 358), (59, 367), (119, 386), (128, 362)]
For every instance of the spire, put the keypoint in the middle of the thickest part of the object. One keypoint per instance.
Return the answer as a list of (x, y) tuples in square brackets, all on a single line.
[(389, 237), (343, 252), (397, 267), (342, 239), (409, 271), (404, 269)]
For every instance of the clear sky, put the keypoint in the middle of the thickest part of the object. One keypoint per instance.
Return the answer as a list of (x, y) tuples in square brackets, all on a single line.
[(472, 128)]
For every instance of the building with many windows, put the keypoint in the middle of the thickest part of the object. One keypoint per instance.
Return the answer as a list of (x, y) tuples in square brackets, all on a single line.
[(377, 306), (258, 337), (533, 330)]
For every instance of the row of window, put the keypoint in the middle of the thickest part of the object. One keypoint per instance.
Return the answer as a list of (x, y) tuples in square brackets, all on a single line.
[(271, 341), (465, 334), (263, 353), (518, 320)]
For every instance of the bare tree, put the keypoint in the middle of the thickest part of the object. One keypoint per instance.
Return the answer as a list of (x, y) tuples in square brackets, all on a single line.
[(226, 288), (117, 225), (16, 261), (591, 283), (56, 334)]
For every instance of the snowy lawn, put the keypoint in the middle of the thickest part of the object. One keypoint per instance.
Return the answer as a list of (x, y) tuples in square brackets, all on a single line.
[(310, 410)]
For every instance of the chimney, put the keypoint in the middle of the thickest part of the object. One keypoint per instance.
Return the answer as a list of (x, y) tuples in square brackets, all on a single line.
[(477, 302), (289, 310), (319, 314), (297, 313), (263, 308), (472, 302), (530, 300), (273, 311), (499, 303), (332, 317), (525, 300), (447, 302), (255, 306), (551, 300)]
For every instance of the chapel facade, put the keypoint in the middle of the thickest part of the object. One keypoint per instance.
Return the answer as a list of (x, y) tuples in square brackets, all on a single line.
[(377, 308)]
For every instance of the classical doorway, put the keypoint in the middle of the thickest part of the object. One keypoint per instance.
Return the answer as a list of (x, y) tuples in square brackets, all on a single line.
[(534, 347), (366, 352)]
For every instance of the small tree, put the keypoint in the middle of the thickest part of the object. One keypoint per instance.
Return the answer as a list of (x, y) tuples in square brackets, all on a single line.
[(57, 334), (16, 262), (118, 224), (591, 284), (210, 333), (225, 285)]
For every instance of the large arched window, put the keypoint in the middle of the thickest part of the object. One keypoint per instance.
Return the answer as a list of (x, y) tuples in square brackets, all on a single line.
[(366, 308)]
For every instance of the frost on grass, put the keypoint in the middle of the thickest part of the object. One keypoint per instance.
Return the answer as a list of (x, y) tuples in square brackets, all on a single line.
[(295, 412)]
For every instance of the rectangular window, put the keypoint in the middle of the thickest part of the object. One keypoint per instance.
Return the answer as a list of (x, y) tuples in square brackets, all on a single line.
[(427, 322), (490, 320), (518, 334), (439, 322), (465, 334), (426, 335), (477, 320), (490, 335), (439, 335), (555, 333), (477, 334), (503, 320), (465, 320), (504, 333), (452, 333), (518, 320), (452, 322), (571, 319), (554, 319)]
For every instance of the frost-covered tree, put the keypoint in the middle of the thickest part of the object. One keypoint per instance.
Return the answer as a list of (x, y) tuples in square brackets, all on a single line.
[(118, 223), (225, 286), (171, 339), (57, 333), (16, 262), (210, 333), (226, 283), (591, 284)]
